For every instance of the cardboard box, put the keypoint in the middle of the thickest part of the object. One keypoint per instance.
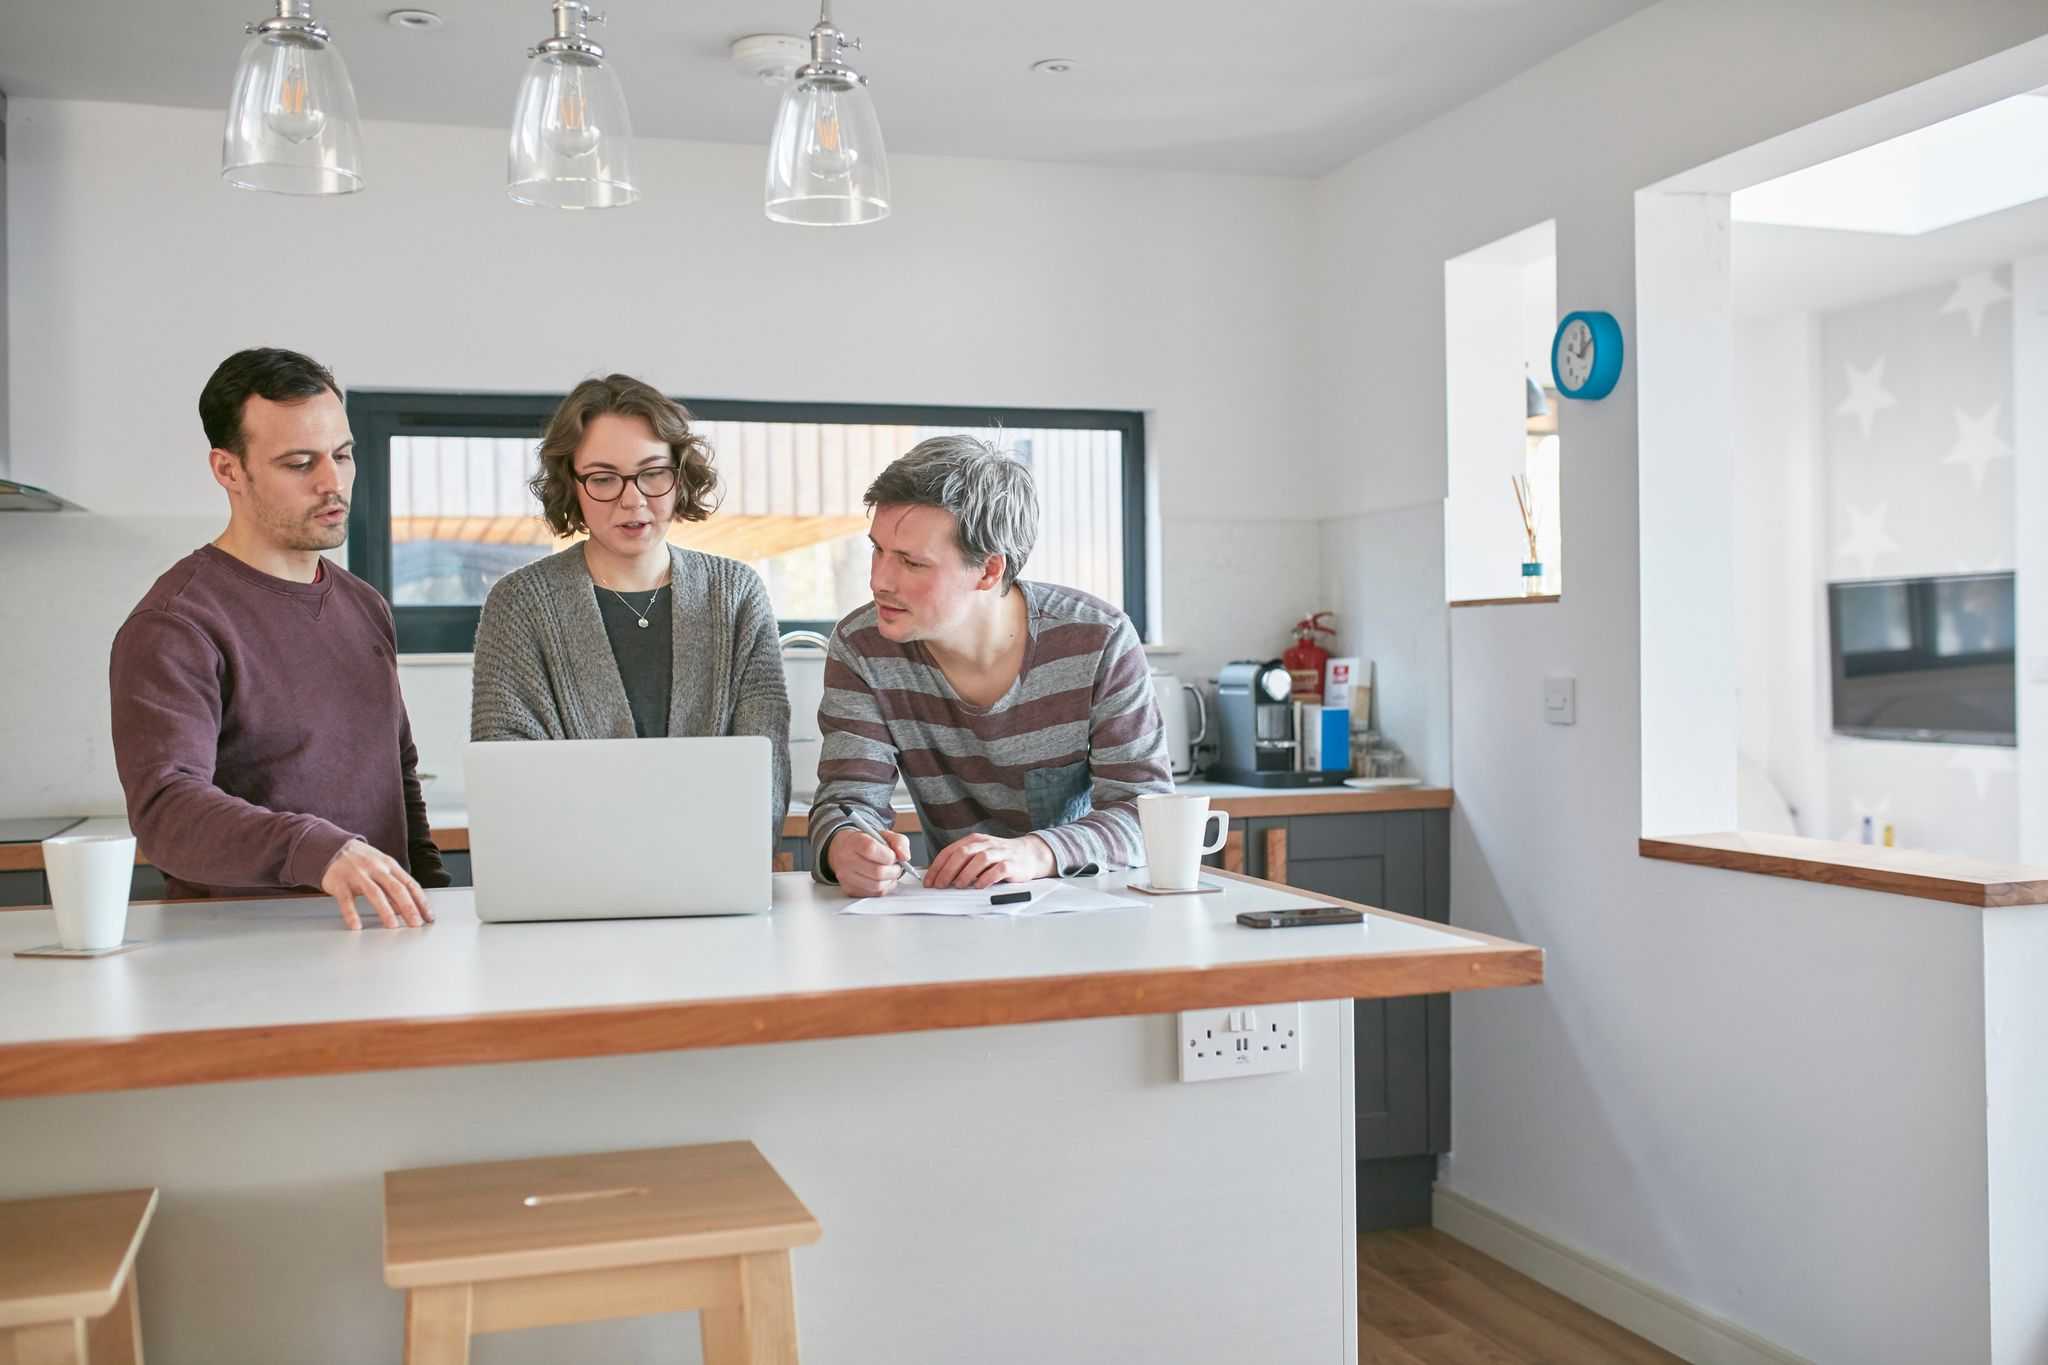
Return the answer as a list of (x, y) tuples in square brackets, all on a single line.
[(1339, 677)]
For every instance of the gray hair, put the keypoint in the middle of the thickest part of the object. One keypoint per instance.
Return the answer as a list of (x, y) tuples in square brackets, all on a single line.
[(989, 492)]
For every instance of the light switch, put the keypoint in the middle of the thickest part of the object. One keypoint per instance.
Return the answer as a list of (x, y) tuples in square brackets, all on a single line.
[(1561, 700)]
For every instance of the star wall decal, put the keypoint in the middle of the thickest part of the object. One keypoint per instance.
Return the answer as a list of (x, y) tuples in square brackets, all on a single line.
[(1867, 540), (1974, 294), (1867, 395), (1977, 443)]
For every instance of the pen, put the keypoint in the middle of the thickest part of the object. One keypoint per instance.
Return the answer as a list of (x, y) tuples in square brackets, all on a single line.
[(910, 871)]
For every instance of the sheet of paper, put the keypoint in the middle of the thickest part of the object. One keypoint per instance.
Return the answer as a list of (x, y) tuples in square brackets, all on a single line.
[(1050, 896)]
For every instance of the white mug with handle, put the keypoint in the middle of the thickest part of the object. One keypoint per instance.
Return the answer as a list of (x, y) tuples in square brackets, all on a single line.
[(1177, 838)]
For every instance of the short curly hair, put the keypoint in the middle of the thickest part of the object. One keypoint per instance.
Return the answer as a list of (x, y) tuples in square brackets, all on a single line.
[(555, 486)]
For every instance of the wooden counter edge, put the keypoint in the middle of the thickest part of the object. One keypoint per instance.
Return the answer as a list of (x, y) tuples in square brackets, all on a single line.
[(1344, 801), (1939, 877), (206, 1056)]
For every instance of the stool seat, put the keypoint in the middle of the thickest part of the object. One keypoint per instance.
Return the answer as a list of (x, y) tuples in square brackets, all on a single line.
[(501, 1245), (67, 1276)]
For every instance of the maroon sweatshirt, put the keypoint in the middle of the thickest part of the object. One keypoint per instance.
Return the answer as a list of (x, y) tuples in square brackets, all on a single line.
[(258, 727)]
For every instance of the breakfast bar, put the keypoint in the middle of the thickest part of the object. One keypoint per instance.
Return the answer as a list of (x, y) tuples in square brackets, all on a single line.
[(985, 1115)]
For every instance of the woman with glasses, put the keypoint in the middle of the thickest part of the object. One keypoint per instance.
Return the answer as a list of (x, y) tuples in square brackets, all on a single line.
[(625, 634)]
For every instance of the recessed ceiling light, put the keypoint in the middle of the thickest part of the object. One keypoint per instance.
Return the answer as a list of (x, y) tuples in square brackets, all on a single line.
[(770, 58), (1054, 66), (418, 20)]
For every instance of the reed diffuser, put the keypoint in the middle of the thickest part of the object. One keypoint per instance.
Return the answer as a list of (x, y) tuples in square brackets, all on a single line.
[(1532, 565)]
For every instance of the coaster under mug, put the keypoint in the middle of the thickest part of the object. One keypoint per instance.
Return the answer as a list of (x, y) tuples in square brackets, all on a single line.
[(1199, 889), (126, 945)]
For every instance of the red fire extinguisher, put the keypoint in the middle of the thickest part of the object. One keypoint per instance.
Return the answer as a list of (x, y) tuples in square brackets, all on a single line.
[(1305, 658)]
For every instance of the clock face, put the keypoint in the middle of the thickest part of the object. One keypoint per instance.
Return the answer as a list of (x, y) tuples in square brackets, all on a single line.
[(1574, 358)]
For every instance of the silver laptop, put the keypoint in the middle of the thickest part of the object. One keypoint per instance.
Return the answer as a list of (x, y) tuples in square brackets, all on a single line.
[(619, 828)]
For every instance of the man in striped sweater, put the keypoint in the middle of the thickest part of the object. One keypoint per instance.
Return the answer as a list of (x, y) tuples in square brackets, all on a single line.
[(1020, 714)]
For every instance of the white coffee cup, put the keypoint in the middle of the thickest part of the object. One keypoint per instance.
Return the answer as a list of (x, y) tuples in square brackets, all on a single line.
[(1175, 827), (89, 879)]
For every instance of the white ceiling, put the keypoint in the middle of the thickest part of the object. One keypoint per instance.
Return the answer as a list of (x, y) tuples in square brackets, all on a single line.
[(1994, 155), (1780, 270), (1290, 88)]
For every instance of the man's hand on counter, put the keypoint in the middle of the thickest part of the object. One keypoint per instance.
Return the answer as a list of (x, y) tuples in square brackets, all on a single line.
[(865, 865), (983, 860), (359, 870)]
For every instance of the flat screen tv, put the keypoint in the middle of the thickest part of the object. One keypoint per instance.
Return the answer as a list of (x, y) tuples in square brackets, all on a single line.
[(1925, 658)]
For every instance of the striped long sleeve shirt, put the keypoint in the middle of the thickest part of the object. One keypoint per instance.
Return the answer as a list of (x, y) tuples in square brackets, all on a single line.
[(1064, 755)]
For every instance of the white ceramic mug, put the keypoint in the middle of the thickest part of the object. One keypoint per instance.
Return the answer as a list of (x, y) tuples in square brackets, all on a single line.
[(89, 879), (1175, 827)]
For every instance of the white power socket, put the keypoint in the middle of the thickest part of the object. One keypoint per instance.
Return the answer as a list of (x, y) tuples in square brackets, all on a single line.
[(1246, 1040)]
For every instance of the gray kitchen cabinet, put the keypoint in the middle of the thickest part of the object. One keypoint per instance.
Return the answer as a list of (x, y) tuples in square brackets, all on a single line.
[(22, 888), (32, 887), (1400, 861)]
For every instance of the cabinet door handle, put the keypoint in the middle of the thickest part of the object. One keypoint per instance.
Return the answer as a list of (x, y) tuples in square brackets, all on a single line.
[(1276, 855), (1233, 851)]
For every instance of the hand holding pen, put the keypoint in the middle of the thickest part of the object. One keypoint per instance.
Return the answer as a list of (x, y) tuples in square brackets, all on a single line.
[(868, 864)]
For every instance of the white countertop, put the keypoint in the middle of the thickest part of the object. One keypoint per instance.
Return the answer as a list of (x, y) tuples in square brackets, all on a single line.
[(255, 964)]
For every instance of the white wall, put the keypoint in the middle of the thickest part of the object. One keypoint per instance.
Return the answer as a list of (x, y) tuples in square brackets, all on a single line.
[(1782, 635), (1686, 490), (1760, 1095), (133, 272), (1382, 576)]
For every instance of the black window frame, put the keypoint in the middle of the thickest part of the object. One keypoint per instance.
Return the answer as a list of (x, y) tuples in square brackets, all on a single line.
[(377, 415)]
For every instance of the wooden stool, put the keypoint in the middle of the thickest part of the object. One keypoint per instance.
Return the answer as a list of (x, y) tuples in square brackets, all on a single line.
[(67, 1278), (509, 1244)]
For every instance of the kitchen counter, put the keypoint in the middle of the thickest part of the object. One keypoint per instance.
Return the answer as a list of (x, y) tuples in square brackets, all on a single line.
[(234, 990), (984, 1114)]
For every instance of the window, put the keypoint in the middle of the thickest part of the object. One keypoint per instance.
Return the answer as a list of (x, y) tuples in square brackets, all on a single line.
[(1502, 515), (442, 509)]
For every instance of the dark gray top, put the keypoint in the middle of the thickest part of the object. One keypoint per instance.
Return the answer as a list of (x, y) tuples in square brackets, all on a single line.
[(544, 666), (643, 653)]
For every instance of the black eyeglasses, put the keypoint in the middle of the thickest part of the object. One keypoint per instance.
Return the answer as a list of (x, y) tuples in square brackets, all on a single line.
[(607, 486)]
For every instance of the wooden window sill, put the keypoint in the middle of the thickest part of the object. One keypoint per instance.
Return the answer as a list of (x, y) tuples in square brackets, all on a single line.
[(1509, 601), (1900, 871)]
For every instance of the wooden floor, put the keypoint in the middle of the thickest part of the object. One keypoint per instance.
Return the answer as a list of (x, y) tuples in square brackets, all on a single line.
[(1425, 1299)]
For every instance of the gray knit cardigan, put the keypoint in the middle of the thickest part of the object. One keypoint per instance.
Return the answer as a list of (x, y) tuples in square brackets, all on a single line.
[(545, 669)]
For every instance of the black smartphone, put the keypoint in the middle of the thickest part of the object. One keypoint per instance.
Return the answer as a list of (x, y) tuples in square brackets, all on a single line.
[(1296, 919)]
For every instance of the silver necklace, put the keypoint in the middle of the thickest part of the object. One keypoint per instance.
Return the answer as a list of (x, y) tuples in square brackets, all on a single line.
[(653, 597)]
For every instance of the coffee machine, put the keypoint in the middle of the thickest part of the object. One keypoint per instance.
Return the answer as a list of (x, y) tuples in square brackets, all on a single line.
[(1255, 728)]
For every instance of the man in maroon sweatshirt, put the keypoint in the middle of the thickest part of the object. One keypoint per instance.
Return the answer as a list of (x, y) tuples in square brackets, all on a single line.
[(258, 727)]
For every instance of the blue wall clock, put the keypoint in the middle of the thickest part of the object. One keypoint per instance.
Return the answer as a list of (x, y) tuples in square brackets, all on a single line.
[(1585, 355)]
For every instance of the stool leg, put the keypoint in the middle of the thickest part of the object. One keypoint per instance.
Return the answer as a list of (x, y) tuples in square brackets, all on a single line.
[(50, 1343), (437, 1325), (116, 1339), (761, 1328)]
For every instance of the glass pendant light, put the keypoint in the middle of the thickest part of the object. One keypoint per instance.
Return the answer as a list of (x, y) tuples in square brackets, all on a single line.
[(826, 167), (292, 126), (572, 143)]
